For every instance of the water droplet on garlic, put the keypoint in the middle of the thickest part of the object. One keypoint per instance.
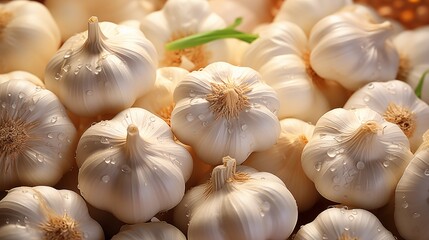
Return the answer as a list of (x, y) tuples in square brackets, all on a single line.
[(366, 98), (318, 166), (332, 152), (54, 119), (426, 172), (40, 158), (125, 168), (190, 117), (360, 165), (104, 140), (105, 178), (405, 204), (416, 215)]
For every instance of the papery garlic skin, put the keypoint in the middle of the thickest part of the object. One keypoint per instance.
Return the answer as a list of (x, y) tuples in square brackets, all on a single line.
[(280, 55), (237, 203), (149, 231), (115, 11), (306, 13), (14, 75), (29, 37), (344, 223), (131, 166), (180, 18), (411, 196), (396, 101), (102, 70), (43, 212), (37, 138), (354, 154), (159, 100), (223, 110), (353, 52), (283, 159)]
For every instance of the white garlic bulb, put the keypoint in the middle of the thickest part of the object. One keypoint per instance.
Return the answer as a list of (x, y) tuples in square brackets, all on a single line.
[(159, 100), (14, 75), (396, 101), (131, 166), (355, 157), (283, 159), (29, 37), (37, 138), (344, 224), (154, 230), (411, 196), (306, 13), (223, 110), (115, 11), (181, 18), (102, 70), (281, 56), (43, 212), (353, 52), (237, 203)]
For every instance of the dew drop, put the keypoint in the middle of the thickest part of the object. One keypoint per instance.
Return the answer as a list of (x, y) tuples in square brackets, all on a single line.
[(318, 166), (97, 69), (332, 152), (21, 95), (360, 165), (113, 161), (13, 105), (366, 98), (3, 105), (68, 53), (54, 119), (107, 160), (58, 76), (152, 118), (190, 117), (60, 155), (66, 196), (201, 117), (155, 168), (244, 127), (50, 135), (125, 168), (386, 163), (346, 229), (371, 86), (105, 178), (40, 158), (416, 215), (7, 221), (262, 213), (265, 206), (332, 169), (88, 67), (426, 172), (351, 217), (89, 92), (66, 68), (324, 237), (192, 94), (354, 212), (104, 140), (205, 124), (405, 204)]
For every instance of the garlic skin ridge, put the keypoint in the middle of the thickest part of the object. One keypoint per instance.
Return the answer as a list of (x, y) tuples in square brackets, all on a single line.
[(396, 101), (339, 42), (43, 212), (29, 37), (219, 111), (154, 230), (37, 138), (283, 159), (131, 166), (180, 18), (343, 223), (237, 202), (102, 70), (353, 154), (411, 195)]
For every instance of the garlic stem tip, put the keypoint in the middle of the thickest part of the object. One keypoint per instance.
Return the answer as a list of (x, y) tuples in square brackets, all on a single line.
[(93, 19)]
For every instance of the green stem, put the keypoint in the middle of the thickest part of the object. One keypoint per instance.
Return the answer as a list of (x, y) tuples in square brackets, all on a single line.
[(205, 37), (419, 87)]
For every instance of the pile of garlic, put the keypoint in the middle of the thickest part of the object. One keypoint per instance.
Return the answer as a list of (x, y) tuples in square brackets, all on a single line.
[(167, 119)]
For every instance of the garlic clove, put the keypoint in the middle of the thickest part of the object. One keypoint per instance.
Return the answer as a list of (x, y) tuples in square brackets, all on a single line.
[(344, 38), (102, 70), (159, 230), (37, 137), (396, 101), (354, 153), (14, 75)]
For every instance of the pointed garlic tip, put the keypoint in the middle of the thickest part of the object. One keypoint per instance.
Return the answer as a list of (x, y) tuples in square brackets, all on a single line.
[(95, 36), (227, 99), (225, 173), (132, 132), (302, 139)]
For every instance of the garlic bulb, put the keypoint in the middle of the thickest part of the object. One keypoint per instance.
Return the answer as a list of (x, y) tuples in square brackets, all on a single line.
[(353, 52), (155, 230), (103, 70), (159, 100), (283, 159), (223, 110), (237, 203), (354, 154), (29, 37), (281, 56), (37, 138), (14, 75), (306, 13), (344, 224), (396, 101), (115, 11), (181, 18), (131, 166), (411, 196), (46, 213)]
